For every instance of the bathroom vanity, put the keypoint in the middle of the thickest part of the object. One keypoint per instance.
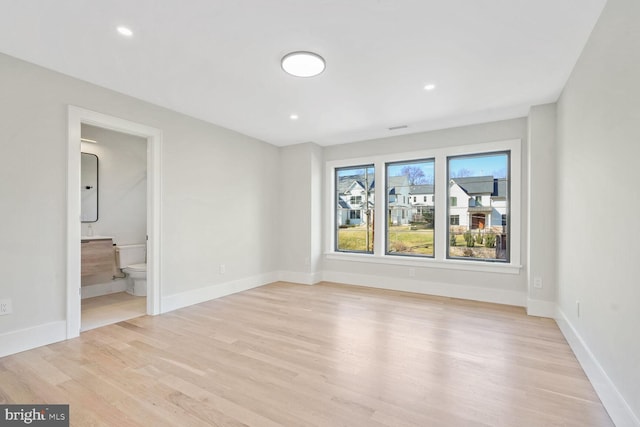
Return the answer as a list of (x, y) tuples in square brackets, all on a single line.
[(97, 260)]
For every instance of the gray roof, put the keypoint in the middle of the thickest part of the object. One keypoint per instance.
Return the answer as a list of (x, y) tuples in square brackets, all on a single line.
[(475, 184), (343, 204), (345, 182), (421, 189), (500, 188), (394, 182), (496, 187)]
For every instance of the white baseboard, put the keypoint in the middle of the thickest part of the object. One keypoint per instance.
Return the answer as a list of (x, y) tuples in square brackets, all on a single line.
[(617, 407), (540, 308), (196, 296), (36, 336), (90, 291), (476, 293), (301, 278)]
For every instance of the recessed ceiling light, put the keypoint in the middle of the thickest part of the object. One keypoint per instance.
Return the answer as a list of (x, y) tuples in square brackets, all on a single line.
[(303, 64), (125, 31), (293, 117), (430, 86)]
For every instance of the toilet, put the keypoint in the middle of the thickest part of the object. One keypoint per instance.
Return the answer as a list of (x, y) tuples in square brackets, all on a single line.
[(131, 259)]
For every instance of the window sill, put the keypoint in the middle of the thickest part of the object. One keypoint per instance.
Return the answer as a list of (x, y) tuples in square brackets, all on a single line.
[(450, 264)]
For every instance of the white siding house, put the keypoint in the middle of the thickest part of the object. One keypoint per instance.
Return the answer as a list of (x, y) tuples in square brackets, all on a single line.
[(352, 206), (399, 207), (422, 203), (478, 203)]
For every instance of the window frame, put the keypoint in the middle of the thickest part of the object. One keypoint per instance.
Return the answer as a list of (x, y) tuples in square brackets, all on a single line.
[(441, 224), (473, 218), (387, 207), (335, 197)]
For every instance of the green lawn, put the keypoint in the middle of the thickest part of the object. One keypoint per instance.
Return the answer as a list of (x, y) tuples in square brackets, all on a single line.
[(404, 240), (354, 239), (401, 240)]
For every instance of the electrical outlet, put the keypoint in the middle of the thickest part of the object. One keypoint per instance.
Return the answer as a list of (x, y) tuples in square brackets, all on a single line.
[(223, 269), (307, 261), (6, 307), (537, 282)]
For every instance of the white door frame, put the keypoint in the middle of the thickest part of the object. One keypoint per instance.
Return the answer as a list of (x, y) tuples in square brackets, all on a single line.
[(78, 116)]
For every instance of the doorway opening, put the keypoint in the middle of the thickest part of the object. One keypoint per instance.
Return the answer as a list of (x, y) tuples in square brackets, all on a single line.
[(77, 119), (113, 213)]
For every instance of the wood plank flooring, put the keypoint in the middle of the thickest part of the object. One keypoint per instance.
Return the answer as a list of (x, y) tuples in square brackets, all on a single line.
[(323, 355), (112, 308)]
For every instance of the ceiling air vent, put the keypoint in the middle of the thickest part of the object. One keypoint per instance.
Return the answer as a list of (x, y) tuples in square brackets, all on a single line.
[(398, 127)]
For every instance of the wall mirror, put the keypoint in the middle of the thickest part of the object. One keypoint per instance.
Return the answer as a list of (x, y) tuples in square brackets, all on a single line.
[(89, 187)]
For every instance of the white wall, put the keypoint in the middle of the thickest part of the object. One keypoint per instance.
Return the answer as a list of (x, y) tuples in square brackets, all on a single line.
[(122, 185), (488, 286), (300, 212), (598, 157), (204, 221), (541, 234)]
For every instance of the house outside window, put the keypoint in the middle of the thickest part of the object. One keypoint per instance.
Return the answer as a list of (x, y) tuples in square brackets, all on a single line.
[(410, 228), (475, 216), (478, 232), (354, 208)]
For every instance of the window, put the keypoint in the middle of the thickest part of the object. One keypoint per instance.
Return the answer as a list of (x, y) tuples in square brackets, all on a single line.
[(481, 235), (354, 187), (466, 213), (410, 229), (355, 200)]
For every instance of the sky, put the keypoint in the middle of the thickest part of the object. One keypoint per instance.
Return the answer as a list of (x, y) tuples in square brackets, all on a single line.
[(482, 165), (492, 164)]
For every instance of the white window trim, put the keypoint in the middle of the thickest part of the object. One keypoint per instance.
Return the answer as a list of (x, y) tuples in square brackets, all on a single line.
[(439, 260)]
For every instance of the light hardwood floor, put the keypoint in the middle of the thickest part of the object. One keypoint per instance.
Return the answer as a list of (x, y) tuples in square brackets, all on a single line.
[(324, 355), (112, 308)]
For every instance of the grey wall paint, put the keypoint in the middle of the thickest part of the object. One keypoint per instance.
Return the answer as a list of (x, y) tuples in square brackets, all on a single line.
[(598, 198), (541, 233), (219, 193), (122, 163), (301, 208)]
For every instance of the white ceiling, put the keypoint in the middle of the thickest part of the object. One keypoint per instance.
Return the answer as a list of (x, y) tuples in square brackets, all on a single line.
[(219, 60)]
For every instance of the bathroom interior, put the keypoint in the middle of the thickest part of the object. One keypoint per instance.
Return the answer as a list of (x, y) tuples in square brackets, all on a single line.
[(113, 190)]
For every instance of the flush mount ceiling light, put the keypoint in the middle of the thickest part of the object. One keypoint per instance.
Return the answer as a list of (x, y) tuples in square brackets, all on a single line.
[(125, 31), (303, 64)]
